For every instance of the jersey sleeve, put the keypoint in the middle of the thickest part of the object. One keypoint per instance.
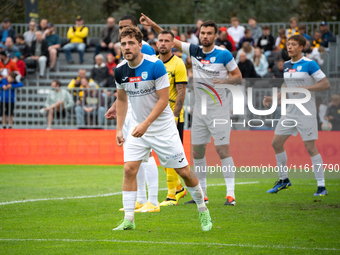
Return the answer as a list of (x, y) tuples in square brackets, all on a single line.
[(160, 75), (148, 50), (118, 79), (186, 48), (181, 72), (315, 71), (229, 61)]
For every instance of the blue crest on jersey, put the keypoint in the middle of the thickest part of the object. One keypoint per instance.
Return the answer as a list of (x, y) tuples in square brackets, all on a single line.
[(144, 75)]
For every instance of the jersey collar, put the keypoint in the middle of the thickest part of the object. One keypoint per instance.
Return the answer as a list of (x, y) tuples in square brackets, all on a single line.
[(297, 61), (209, 51), (169, 59), (138, 64)]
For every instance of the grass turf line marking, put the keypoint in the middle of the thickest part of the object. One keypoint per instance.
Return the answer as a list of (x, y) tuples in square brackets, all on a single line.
[(94, 196), (172, 243)]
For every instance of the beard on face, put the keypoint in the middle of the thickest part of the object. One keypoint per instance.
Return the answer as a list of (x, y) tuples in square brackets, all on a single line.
[(164, 51), (131, 56)]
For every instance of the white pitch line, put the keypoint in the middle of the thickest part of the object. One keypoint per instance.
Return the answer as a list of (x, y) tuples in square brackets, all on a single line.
[(94, 196), (174, 243)]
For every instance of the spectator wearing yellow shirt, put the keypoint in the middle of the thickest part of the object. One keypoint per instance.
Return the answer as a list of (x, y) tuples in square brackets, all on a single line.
[(76, 83), (77, 36)]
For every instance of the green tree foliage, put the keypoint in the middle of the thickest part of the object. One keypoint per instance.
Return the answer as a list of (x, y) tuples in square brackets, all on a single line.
[(175, 11)]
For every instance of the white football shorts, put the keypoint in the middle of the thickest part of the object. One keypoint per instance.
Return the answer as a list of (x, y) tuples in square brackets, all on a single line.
[(307, 126)]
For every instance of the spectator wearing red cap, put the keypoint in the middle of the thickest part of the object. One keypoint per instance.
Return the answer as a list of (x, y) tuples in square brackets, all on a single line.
[(223, 41), (223, 35)]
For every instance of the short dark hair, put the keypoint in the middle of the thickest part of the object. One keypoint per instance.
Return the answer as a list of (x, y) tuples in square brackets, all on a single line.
[(167, 32), (247, 30), (302, 27), (265, 27), (57, 82), (13, 75), (298, 38), (132, 32), (130, 17), (210, 23), (252, 18), (20, 36)]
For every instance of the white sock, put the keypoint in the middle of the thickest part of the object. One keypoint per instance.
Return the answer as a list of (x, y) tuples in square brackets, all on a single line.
[(281, 160), (318, 170), (141, 190), (129, 201), (197, 195), (200, 167), (151, 175), (229, 175)]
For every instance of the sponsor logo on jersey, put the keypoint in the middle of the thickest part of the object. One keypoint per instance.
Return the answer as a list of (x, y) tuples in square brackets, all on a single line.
[(135, 79), (299, 68), (125, 78), (291, 70), (286, 69), (212, 60), (144, 75), (205, 62)]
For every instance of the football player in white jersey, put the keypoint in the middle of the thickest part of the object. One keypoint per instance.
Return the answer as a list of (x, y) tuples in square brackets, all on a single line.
[(144, 80), (211, 65), (299, 72), (148, 171)]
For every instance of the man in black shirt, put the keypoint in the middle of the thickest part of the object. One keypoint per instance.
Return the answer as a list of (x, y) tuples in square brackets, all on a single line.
[(333, 112), (266, 42), (246, 67), (108, 38)]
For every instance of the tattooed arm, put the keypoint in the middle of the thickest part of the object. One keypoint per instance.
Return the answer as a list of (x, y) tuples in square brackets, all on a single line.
[(180, 88)]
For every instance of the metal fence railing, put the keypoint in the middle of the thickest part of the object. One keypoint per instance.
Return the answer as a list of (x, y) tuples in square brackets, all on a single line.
[(86, 109), (30, 100), (94, 29)]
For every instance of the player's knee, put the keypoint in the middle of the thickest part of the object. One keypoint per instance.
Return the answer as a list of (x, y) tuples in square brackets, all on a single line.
[(277, 145), (223, 151), (129, 171), (184, 172), (311, 149)]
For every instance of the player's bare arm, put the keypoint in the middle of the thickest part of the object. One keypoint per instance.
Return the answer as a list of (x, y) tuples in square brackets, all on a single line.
[(111, 112), (163, 101), (181, 89), (234, 79), (122, 107), (145, 20), (320, 86)]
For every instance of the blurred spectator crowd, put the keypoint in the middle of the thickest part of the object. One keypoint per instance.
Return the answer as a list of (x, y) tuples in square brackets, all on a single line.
[(258, 53)]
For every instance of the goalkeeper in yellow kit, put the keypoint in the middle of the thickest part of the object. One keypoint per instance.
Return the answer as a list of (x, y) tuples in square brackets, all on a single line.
[(178, 80)]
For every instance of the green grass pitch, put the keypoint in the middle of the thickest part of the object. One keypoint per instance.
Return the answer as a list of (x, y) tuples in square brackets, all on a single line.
[(64, 213)]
